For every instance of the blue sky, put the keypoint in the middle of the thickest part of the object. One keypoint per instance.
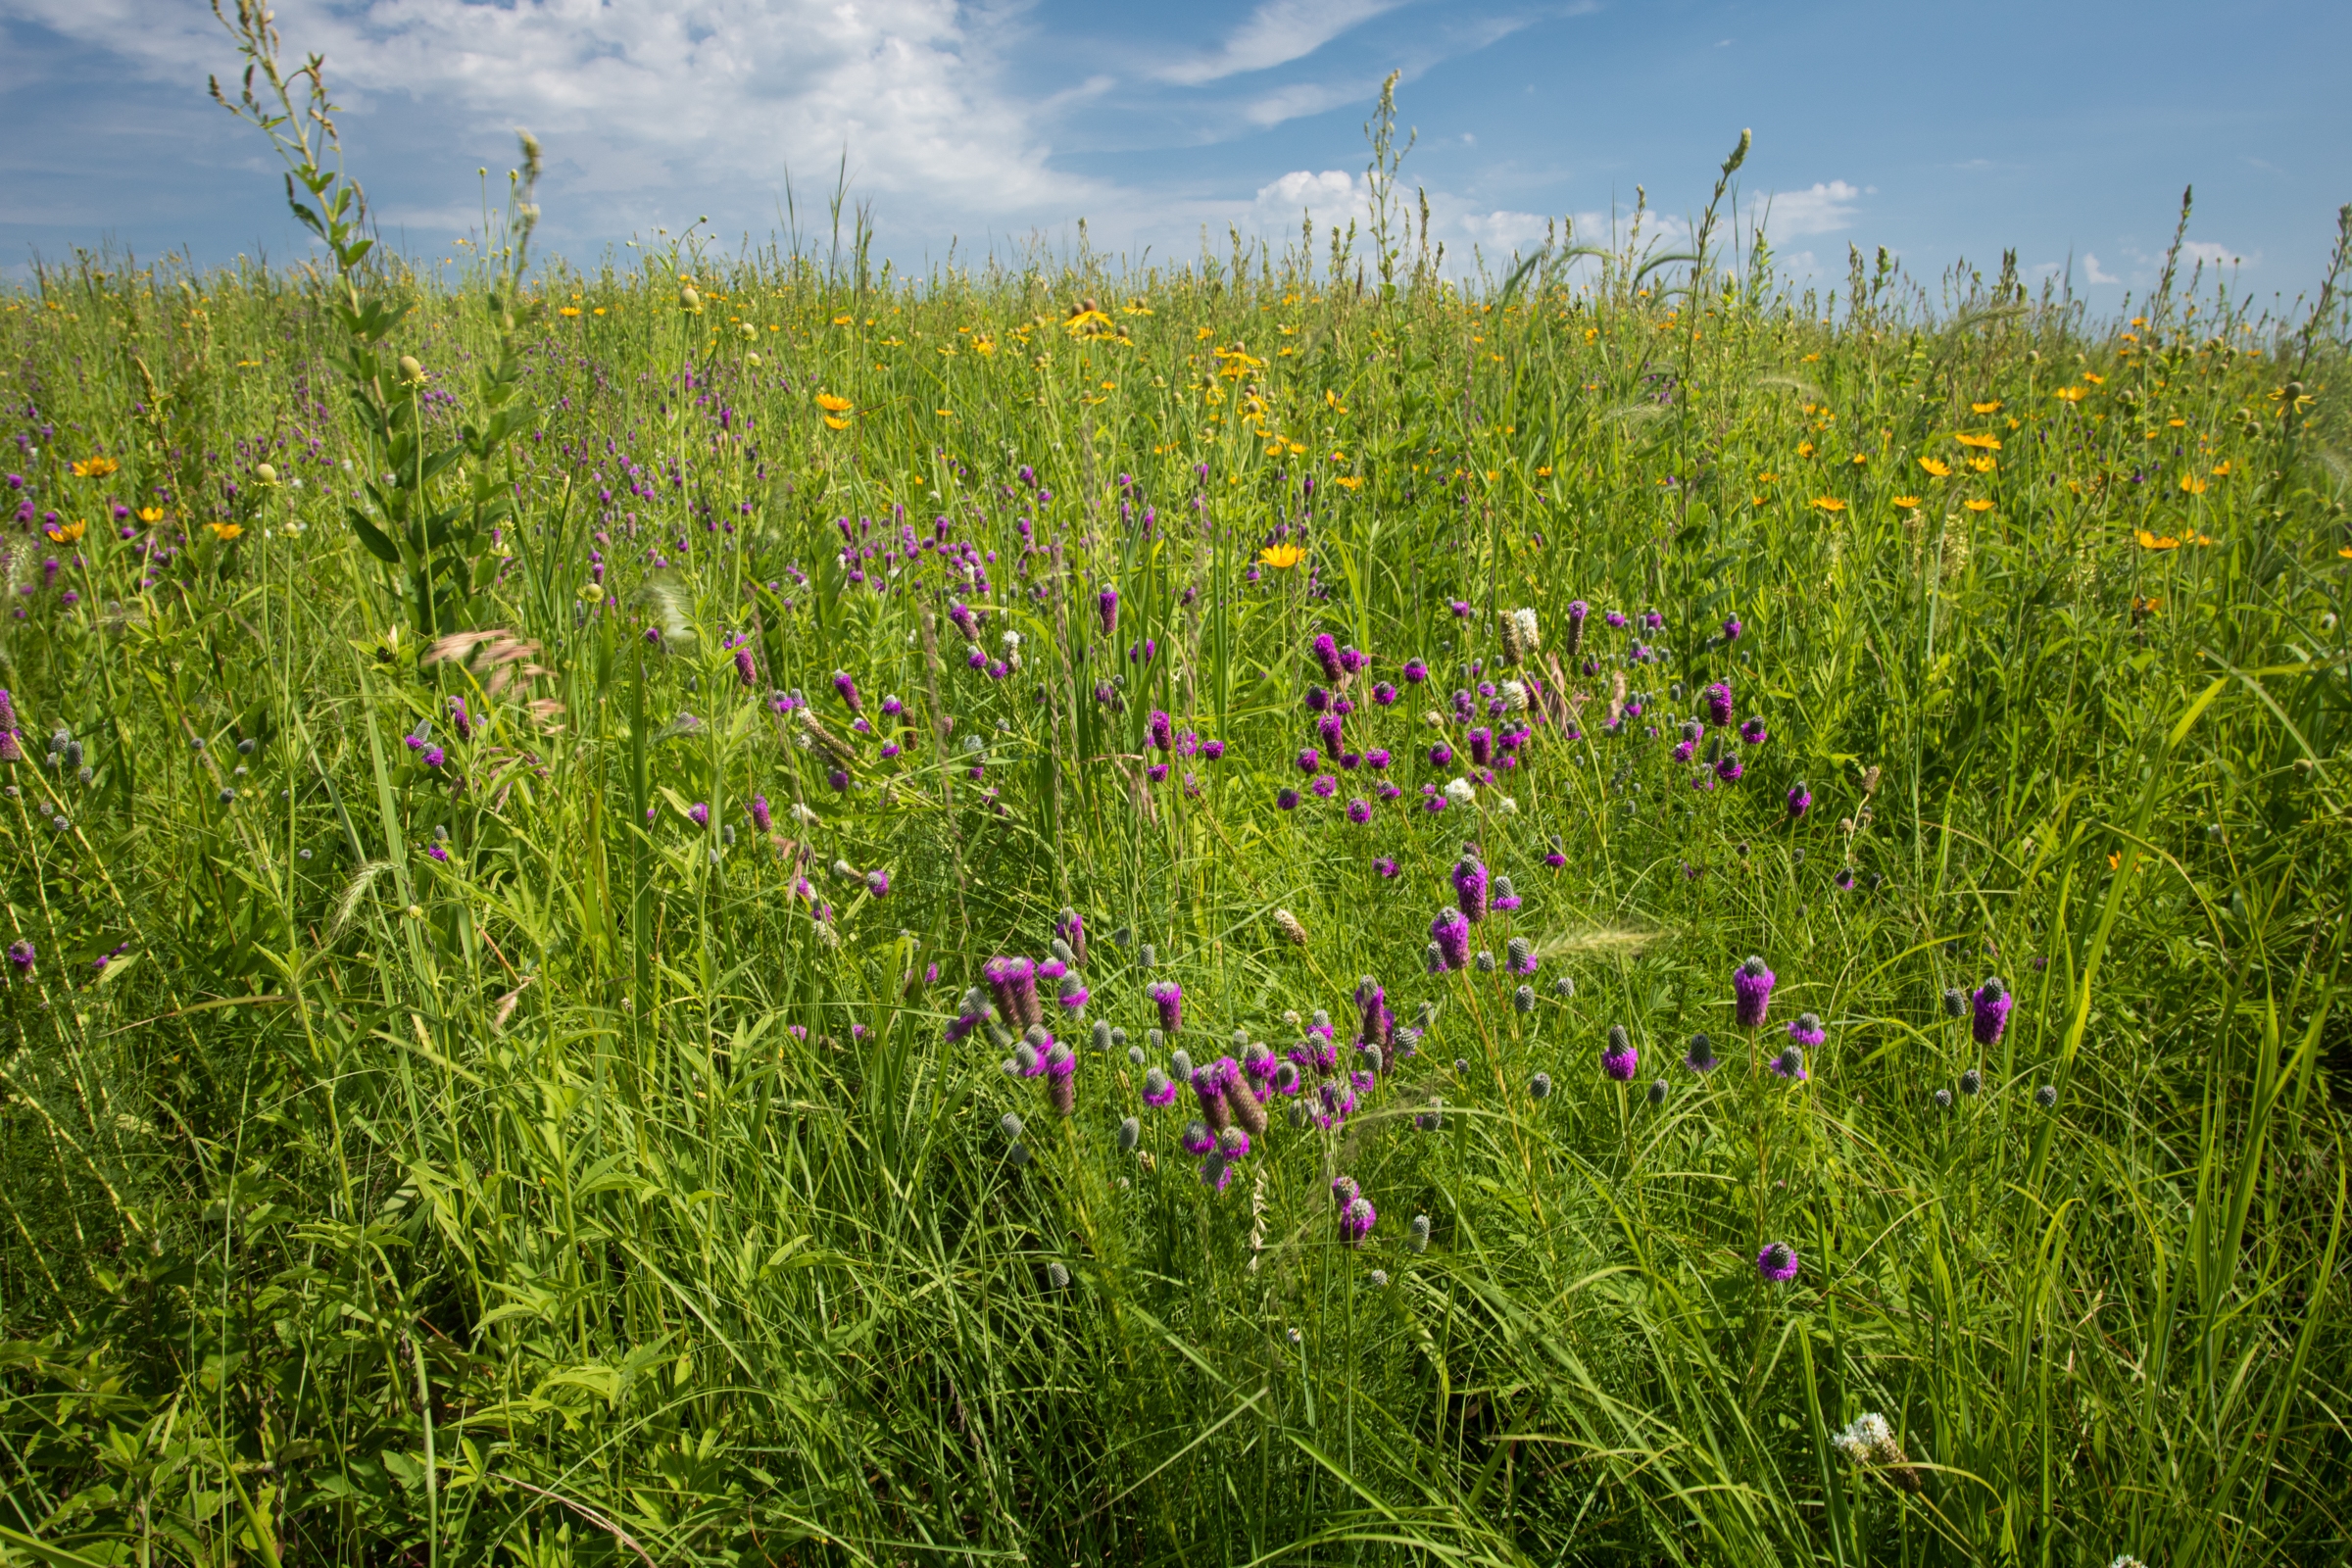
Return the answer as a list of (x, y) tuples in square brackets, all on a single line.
[(2065, 130)]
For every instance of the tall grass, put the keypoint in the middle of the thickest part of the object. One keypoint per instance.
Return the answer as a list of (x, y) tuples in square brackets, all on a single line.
[(529, 1158)]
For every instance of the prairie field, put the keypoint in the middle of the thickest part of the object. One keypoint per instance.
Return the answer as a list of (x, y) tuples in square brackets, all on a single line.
[(740, 907)]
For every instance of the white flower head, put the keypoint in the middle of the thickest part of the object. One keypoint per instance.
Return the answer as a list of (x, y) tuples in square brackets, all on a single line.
[(1460, 792), (1011, 640), (1504, 806), (1514, 697)]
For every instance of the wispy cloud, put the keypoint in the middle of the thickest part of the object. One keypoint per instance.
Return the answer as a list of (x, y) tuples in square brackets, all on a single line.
[(2091, 264), (1277, 33), (2212, 255)]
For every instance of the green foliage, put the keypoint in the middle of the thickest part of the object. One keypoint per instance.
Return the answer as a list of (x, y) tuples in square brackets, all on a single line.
[(532, 1137)]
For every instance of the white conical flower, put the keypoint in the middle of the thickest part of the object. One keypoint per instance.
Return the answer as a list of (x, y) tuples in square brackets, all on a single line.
[(1460, 792)]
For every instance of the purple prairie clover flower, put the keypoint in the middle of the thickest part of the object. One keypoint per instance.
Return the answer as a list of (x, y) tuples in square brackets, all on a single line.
[(1160, 730), (1992, 1002), (1329, 729), (1752, 993), (1356, 1220), (1684, 751), (699, 813), (1482, 747), (1461, 607), (1719, 703), (1013, 981), (1799, 800), (1062, 1078), (459, 720), (1169, 997), (1449, 938), (1440, 756), (1211, 750), (1778, 1263), (19, 957), (1351, 760), (892, 707), (966, 621), (1470, 888), (1807, 1029), (1159, 1091), (1377, 758), (1216, 1171), (1107, 604), (1727, 770), (1286, 1078), (1507, 897), (1845, 879), (1326, 650), (839, 778), (1520, 954), (1384, 694), (877, 883), (746, 670), (1318, 700), (1753, 732), (1415, 673), (1208, 1087), (1196, 1139), (1360, 811), (1308, 759), (1578, 610), (433, 756), (1619, 1059), (1324, 785), (1732, 628), (1354, 660), (438, 853), (1789, 1064), (1616, 620), (761, 816), (1344, 1191), (848, 688), (1386, 868), (977, 659), (1234, 1143), (1701, 1057), (1376, 1025), (1071, 929), (1286, 799), (1259, 1063)]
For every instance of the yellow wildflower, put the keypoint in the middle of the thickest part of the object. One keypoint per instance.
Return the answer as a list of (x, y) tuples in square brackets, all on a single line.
[(1281, 557)]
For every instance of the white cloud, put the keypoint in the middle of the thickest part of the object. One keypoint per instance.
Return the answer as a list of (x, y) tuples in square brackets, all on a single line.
[(1503, 231), (1304, 98), (2212, 255), (1277, 33), (1332, 196), (1822, 209), (2096, 276), (642, 100)]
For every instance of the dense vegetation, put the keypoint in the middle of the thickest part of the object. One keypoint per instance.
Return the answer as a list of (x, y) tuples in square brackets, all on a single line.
[(516, 784)]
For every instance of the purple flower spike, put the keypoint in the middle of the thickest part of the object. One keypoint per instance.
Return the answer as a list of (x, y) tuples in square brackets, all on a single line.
[(1356, 1220), (1169, 997), (1992, 1001), (699, 812), (1286, 800), (1415, 673), (1014, 982), (1161, 730), (1789, 1065), (1807, 1029), (1800, 800), (1159, 1091), (1753, 732), (1308, 759), (1386, 868), (877, 883), (1482, 747), (1778, 1263), (760, 817), (746, 670), (20, 959), (1327, 654), (1440, 756), (1071, 928), (1732, 628), (1727, 770), (1196, 1139), (1719, 701), (1752, 993), (1620, 1060), (1360, 811), (1450, 935), (848, 689), (1384, 694), (1073, 996), (1470, 888), (1107, 604)]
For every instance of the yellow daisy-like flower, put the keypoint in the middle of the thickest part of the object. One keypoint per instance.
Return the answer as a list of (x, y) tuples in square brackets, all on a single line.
[(2200, 538), (1829, 504), (1281, 557), (2191, 484), (2070, 394), (1984, 465), (1768, 478), (1804, 449), (2222, 473), (1346, 481), (1937, 467), (95, 468), (2151, 541), (1978, 506), (2095, 379), (226, 531), (1906, 502), (2345, 551), (151, 516), (834, 421), (66, 533), (1543, 473), (1983, 442), (832, 403), (1993, 407), (1861, 458), (842, 321), (568, 310)]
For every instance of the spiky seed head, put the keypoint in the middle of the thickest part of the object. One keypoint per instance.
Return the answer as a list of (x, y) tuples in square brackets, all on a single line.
[(1131, 1133), (1010, 1124)]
